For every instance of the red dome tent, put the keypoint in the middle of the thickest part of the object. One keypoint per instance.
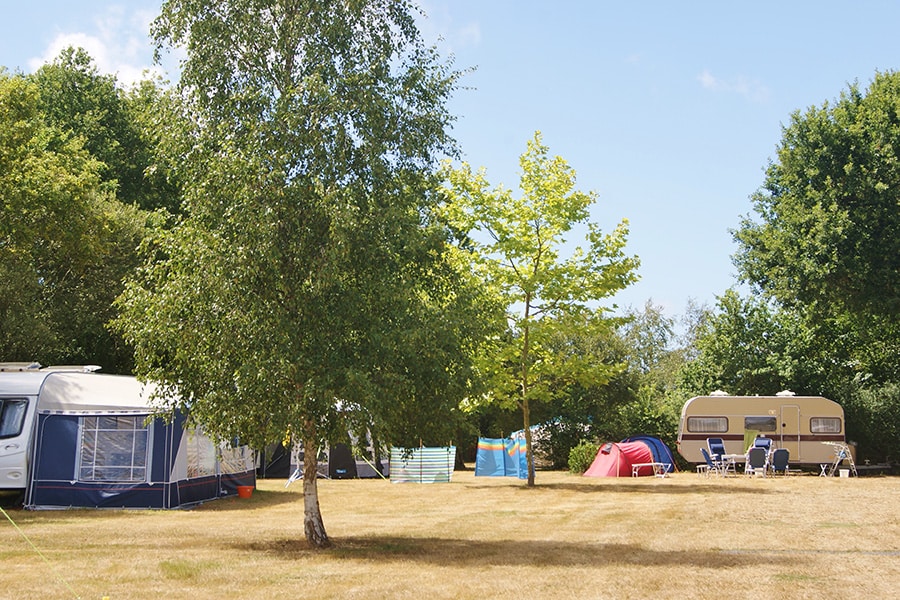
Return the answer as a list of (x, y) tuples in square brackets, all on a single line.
[(615, 459)]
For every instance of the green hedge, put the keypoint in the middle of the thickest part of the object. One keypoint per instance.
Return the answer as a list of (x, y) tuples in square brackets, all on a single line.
[(581, 456)]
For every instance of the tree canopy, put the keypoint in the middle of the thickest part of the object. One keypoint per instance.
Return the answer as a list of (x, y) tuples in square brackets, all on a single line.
[(65, 240), (748, 346), (828, 228), (114, 125)]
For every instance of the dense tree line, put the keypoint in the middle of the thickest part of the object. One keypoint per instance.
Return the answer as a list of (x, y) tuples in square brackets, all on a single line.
[(72, 158)]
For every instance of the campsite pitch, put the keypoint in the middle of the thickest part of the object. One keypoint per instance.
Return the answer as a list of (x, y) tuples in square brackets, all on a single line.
[(570, 537)]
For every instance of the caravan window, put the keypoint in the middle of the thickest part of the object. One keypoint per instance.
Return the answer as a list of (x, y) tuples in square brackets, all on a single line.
[(707, 424), (825, 425), (12, 416), (113, 448), (762, 424)]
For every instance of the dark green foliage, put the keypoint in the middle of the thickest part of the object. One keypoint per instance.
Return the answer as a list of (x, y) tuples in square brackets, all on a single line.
[(873, 420), (749, 347), (115, 127), (829, 229), (650, 415), (825, 243), (581, 456), (65, 241)]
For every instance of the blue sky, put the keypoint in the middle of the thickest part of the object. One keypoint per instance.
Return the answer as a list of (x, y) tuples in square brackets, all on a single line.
[(670, 111)]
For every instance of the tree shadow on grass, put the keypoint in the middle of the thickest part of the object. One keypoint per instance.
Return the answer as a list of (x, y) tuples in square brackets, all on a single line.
[(509, 553), (259, 499), (641, 488)]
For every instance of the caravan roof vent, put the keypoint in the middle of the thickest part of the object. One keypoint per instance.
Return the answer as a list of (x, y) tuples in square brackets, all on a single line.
[(785, 393), (19, 366), (73, 368), (719, 393)]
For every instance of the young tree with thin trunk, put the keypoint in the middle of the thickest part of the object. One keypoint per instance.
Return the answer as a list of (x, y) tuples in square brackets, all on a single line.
[(517, 244)]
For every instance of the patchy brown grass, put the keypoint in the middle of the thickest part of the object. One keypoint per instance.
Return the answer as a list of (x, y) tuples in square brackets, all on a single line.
[(570, 537)]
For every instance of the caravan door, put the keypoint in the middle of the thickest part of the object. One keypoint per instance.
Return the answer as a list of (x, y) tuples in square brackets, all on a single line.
[(15, 431), (19, 389), (790, 430)]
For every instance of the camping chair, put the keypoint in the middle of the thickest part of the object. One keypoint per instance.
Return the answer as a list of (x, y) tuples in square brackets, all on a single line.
[(780, 460), (757, 461), (716, 448), (763, 442), (711, 465), (717, 452)]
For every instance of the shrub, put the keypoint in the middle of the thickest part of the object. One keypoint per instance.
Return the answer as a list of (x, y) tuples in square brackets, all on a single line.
[(581, 456), (873, 420)]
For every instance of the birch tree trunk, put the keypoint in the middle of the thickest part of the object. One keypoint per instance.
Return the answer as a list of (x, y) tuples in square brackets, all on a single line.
[(313, 526)]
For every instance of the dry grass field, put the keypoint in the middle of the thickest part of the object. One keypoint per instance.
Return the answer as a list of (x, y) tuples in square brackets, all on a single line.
[(570, 537)]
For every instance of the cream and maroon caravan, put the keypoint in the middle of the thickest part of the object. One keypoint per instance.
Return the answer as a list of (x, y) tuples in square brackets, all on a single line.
[(799, 423)]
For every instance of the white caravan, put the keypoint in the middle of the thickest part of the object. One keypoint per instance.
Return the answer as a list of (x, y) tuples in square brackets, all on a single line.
[(80, 439)]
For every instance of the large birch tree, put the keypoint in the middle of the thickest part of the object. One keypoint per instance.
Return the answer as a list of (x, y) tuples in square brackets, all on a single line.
[(305, 291)]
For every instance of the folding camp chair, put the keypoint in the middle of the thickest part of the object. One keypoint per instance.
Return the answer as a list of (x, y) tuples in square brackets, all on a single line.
[(757, 461), (716, 447), (712, 466), (719, 455), (763, 442), (780, 457)]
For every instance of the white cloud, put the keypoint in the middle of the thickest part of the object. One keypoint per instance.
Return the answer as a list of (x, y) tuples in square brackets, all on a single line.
[(469, 35), (751, 89), (119, 45), (438, 27)]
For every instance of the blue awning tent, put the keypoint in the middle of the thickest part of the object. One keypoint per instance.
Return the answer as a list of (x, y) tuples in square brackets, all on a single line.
[(94, 442), (501, 457), (182, 468)]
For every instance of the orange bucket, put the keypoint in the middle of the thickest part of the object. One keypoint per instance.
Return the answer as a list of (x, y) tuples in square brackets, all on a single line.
[(245, 491)]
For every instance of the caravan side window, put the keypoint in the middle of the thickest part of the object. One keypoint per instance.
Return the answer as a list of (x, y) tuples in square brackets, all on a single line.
[(825, 425), (12, 416), (707, 424), (113, 448)]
